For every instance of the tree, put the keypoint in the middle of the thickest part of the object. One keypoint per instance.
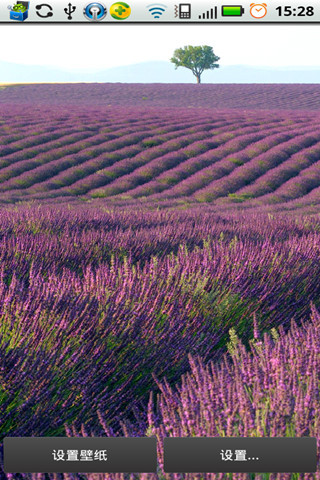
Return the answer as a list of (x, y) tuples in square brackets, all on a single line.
[(197, 59)]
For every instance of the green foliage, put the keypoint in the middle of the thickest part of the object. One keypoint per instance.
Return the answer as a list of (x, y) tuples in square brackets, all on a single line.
[(242, 197), (150, 142), (196, 59), (236, 161), (108, 173), (168, 180), (234, 340), (275, 335), (98, 195)]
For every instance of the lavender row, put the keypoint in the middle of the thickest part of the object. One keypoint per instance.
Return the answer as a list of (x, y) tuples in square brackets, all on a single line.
[(164, 163), (257, 166), (94, 169), (225, 163), (268, 389), (71, 280), (202, 168)]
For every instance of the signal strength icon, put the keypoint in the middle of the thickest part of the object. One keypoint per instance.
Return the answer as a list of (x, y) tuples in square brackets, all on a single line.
[(209, 14), (157, 10)]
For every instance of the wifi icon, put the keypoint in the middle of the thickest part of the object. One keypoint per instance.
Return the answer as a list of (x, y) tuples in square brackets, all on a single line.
[(157, 10)]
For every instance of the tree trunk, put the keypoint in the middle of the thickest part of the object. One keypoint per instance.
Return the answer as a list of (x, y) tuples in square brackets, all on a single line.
[(198, 79)]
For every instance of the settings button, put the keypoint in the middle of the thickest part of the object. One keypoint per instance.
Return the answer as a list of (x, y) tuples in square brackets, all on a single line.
[(238, 454)]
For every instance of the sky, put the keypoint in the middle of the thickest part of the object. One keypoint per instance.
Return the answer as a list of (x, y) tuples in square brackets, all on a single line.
[(94, 47)]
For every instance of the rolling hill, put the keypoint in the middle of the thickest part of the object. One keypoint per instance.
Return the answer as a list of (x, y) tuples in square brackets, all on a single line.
[(253, 145)]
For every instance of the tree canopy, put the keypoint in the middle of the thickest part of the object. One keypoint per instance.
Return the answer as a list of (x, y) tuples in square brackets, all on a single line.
[(196, 59)]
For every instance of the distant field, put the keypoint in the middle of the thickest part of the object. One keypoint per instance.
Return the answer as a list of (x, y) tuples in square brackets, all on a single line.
[(155, 151), (161, 95)]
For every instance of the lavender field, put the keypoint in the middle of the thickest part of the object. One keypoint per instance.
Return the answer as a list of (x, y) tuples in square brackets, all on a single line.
[(160, 264)]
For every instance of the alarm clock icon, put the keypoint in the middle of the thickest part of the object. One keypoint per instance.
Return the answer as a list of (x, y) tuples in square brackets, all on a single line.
[(258, 10)]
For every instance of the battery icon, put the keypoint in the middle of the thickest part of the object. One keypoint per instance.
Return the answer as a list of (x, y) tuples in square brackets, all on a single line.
[(232, 10)]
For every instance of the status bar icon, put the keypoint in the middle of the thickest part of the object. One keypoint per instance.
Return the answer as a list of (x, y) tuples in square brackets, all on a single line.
[(157, 10), (258, 10), (19, 11), (120, 10), (209, 14), (95, 11), (232, 10), (183, 10), (69, 10)]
